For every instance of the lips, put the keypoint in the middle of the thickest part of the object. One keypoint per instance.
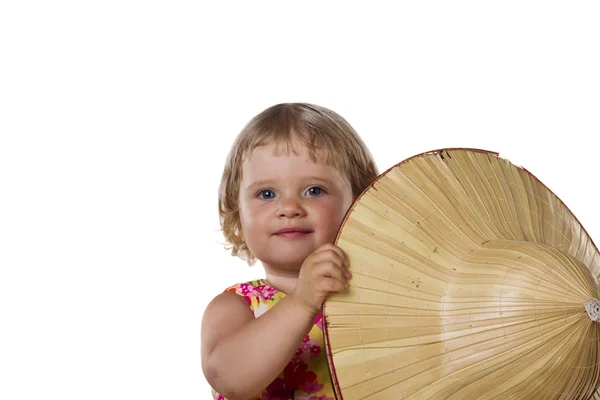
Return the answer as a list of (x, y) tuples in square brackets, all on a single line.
[(293, 232)]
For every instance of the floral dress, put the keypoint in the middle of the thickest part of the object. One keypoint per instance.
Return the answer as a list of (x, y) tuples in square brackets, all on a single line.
[(306, 377)]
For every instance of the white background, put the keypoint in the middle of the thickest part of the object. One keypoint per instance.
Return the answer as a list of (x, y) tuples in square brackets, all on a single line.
[(116, 118)]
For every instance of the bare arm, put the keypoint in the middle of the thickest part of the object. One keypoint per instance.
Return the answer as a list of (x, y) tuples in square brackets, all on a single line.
[(242, 355)]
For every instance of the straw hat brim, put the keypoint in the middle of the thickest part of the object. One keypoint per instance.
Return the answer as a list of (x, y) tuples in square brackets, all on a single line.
[(469, 282)]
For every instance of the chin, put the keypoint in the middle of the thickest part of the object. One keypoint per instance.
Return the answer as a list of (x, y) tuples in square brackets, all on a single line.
[(287, 263), (288, 257)]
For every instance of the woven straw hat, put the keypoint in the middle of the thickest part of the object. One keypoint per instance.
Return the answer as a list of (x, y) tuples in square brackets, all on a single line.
[(471, 280)]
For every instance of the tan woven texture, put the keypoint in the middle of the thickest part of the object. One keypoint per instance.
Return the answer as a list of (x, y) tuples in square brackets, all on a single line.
[(469, 282)]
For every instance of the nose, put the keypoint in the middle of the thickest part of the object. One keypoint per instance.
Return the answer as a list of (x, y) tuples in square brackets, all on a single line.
[(291, 207)]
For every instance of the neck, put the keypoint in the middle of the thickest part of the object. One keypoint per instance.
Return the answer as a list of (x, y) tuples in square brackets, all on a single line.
[(282, 280)]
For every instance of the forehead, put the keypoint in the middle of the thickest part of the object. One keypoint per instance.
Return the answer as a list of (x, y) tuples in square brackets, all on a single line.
[(293, 145), (273, 161)]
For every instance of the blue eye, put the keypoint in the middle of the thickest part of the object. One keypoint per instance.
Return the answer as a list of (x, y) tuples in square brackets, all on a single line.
[(266, 194), (315, 191)]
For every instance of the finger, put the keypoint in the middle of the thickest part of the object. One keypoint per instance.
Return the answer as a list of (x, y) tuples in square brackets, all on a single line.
[(331, 246), (341, 257), (334, 285), (330, 253), (342, 254), (329, 269)]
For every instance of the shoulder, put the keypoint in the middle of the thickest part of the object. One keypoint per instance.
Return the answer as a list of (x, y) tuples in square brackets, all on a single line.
[(224, 314), (236, 299), (225, 303)]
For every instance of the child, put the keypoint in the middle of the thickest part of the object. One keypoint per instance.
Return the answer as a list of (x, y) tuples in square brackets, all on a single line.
[(291, 175)]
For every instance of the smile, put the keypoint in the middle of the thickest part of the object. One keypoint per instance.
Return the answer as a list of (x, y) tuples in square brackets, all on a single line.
[(292, 233)]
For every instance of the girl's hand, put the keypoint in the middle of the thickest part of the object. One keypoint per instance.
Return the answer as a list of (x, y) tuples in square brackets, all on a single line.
[(323, 272)]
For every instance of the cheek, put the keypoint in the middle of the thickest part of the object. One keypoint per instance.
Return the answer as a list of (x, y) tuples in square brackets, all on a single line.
[(246, 219), (251, 218), (330, 215)]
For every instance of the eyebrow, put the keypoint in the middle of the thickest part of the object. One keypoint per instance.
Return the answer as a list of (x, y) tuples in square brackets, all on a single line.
[(268, 182), (258, 184)]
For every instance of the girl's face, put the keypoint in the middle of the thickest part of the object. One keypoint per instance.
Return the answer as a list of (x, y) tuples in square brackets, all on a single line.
[(290, 206)]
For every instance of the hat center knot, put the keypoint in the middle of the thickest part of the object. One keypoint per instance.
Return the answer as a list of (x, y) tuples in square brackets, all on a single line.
[(592, 306)]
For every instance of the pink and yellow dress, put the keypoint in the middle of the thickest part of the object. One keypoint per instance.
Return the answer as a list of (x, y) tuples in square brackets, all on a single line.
[(306, 377)]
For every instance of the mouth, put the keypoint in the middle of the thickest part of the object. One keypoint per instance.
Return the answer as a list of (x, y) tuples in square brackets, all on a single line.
[(292, 232)]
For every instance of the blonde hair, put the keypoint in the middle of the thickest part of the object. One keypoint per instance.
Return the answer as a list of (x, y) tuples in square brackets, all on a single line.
[(327, 136)]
